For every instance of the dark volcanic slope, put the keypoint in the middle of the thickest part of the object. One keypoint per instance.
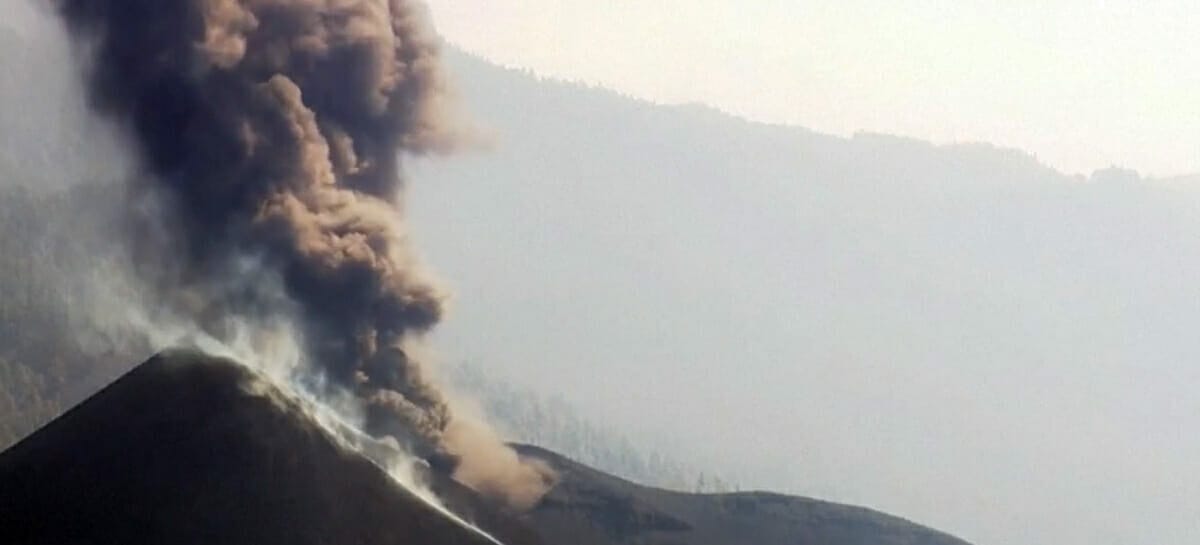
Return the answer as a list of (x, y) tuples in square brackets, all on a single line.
[(192, 450), (188, 449), (593, 508)]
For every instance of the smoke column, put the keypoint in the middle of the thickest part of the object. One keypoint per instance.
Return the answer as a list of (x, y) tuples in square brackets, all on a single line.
[(271, 131)]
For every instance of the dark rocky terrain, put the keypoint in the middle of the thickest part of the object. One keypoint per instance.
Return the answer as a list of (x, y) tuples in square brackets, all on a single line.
[(190, 449), (187, 449), (592, 508)]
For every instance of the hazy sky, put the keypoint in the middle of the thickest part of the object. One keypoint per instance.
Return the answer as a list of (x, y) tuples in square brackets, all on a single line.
[(1081, 84)]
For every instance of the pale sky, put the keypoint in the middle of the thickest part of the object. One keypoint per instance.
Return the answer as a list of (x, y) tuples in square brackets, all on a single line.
[(1081, 84)]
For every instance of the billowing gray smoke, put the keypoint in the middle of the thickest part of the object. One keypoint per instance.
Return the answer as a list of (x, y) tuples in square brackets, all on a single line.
[(272, 129)]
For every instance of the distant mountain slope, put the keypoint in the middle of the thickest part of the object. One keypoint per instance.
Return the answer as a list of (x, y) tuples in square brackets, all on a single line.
[(588, 507), (935, 331), (527, 416), (50, 357)]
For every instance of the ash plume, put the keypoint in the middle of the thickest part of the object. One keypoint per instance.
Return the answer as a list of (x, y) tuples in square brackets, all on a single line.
[(272, 130)]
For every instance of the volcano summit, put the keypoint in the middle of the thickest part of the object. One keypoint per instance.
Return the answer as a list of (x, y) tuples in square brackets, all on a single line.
[(189, 449)]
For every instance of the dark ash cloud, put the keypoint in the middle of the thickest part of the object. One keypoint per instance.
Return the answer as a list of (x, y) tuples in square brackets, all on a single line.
[(273, 130)]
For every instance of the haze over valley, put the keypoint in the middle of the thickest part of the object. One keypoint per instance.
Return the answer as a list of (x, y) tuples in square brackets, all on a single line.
[(959, 335)]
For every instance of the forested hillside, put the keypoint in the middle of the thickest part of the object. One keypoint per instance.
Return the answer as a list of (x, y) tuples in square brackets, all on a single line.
[(552, 422), (56, 203), (49, 356), (925, 329)]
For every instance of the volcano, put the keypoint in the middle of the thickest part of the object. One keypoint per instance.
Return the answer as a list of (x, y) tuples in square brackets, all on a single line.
[(191, 449)]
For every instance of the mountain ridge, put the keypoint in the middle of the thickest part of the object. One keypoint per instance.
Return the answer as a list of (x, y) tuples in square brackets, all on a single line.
[(464, 60)]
